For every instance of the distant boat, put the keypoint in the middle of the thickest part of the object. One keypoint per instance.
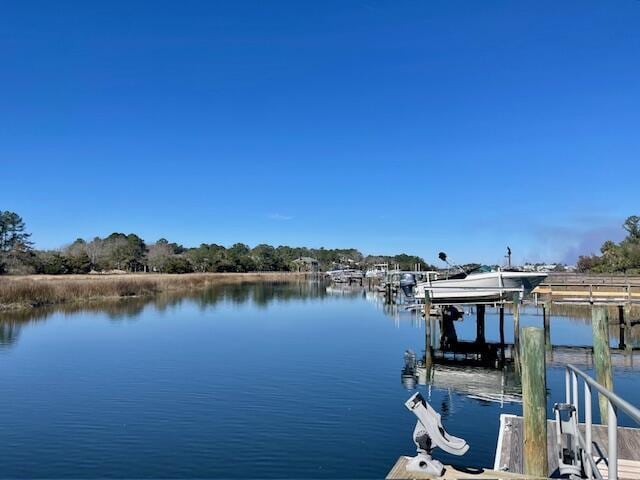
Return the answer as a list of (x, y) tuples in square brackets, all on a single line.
[(479, 286), (379, 270), (343, 275)]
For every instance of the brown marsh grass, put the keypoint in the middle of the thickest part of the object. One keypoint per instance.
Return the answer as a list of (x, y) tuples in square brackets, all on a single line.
[(17, 292)]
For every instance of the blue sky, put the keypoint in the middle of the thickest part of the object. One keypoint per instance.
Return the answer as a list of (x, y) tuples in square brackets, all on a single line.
[(412, 126)]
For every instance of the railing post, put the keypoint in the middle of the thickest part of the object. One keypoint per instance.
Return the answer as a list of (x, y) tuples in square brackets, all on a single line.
[(534, 404), (612, 452), (567, 387), (587, 427), (574, 379)]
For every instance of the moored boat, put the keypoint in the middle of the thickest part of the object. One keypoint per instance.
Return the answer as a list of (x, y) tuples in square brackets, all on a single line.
[(482, 287)]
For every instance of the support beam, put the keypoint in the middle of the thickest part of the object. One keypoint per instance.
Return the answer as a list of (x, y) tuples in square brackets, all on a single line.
[(534, 402)]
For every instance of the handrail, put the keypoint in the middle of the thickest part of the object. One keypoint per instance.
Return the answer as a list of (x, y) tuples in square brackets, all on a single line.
[(621, 403), (613, 402)]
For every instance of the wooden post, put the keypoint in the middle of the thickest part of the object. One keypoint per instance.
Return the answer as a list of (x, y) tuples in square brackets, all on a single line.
[(480, 324), (516, 330), (627, 327), (428, 352), (546, 313), (602, 356), (621, 327), (534, 402), (502, 354)]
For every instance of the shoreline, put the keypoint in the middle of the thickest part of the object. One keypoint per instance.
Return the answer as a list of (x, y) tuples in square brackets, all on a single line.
[(25, 292)]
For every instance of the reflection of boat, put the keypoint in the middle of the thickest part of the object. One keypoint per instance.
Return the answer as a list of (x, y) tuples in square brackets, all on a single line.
[(479, 286)]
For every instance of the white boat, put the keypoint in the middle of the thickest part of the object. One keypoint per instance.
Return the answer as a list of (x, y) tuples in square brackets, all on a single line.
[(379, 270), (344, 275), (481, 287)]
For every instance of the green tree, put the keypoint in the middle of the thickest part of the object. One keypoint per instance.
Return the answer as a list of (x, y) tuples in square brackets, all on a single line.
[(13, 235)]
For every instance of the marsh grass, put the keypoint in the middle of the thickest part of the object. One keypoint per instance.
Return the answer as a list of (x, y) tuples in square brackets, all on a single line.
[(41, 290)]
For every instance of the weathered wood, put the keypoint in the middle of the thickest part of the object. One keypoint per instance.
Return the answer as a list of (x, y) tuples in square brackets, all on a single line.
[(546, 313), (602, 355), (451, 472), (480, 324), (627, 325), (534, 404)]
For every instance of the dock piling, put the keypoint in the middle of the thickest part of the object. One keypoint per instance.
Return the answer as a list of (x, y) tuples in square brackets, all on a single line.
[(546, 313), (480, 324), (516, 330), (602, 356), (534, 405)]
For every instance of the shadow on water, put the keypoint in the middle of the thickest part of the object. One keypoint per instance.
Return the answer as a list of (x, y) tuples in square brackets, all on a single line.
[(259, 294)]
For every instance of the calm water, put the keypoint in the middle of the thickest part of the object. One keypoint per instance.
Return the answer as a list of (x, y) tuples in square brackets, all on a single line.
[(262, 380)]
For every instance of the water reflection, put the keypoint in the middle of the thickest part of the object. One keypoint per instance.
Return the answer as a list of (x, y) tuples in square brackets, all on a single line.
[(259, 294)]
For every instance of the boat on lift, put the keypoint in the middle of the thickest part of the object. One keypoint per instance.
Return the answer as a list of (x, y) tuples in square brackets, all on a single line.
[(482, 285)]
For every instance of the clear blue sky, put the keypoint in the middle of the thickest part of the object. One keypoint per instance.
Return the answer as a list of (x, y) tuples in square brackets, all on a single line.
[(412, 126)]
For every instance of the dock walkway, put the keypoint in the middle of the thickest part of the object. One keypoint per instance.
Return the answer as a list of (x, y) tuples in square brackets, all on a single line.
[(509, 451)]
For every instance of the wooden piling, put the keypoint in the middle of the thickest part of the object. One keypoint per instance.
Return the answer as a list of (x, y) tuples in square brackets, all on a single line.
[(627, 327), (546, 314), (534, 404), (516, 330), (480, 324), (621, 327), (602, 356), (502, 353)]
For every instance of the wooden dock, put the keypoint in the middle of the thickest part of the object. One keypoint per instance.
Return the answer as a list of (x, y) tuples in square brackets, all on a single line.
[(509, 451), (399, 472)]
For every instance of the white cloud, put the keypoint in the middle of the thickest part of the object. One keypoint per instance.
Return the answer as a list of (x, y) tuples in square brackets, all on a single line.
[(279, 217)]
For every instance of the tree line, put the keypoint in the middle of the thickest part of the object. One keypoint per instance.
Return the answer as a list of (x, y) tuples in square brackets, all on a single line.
[(623, 257), (130, 253)]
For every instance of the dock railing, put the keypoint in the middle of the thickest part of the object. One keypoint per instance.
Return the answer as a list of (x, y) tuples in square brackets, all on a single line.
[(614, 403)]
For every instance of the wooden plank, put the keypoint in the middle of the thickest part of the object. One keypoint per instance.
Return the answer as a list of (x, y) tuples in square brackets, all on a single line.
[(627, 469), (399, 472), (511, 427)]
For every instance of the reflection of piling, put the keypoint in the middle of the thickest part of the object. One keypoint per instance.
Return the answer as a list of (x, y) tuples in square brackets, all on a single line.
[(516, 330), (480, 324), (534, 405), (602, 355), (546, 314)]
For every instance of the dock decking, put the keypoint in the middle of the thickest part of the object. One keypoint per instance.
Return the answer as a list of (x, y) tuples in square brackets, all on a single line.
[(509, 451), (399, 472)]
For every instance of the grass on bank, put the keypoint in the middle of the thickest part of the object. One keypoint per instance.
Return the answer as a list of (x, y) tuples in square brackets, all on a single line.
[(42, 290)]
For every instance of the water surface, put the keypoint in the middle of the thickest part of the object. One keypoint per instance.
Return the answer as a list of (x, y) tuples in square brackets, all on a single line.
[(256, 380)]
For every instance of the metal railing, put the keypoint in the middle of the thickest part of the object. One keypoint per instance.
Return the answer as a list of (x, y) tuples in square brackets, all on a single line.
[(614, 403)]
